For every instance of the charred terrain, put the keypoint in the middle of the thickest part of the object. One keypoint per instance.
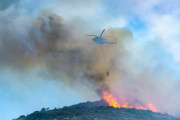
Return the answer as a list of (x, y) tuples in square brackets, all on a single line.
[(98, 110)]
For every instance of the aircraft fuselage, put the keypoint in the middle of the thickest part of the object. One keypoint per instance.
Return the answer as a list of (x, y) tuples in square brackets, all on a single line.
[(99, 40)]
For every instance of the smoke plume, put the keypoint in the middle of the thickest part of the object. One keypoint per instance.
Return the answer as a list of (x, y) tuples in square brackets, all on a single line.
[(66, 54), (50, 43)]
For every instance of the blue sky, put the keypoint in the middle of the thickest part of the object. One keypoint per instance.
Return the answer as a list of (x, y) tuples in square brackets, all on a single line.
[(19, 98), (155, 28)]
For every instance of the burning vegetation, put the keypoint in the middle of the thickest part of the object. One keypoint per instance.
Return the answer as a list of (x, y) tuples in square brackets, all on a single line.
[(62, 52), (95, 110), (123, 103)]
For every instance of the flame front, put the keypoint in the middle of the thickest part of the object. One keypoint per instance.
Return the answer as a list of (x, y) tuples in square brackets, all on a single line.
[(112, 101)]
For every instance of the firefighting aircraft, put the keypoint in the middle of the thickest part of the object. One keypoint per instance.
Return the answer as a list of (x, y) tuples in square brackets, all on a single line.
[(101, 40)]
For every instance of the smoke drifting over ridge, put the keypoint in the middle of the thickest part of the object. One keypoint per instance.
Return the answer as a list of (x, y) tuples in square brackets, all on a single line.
[(67, 55), (50, 43)]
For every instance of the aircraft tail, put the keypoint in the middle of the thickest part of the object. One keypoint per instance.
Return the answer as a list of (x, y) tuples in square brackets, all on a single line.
[(102, 32), (111, 43)]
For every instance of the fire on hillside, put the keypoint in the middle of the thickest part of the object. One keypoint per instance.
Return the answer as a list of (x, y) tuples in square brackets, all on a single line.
[(123, 103)]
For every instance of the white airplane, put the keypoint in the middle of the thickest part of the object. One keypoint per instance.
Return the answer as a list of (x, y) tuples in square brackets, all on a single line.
[(101, 40)]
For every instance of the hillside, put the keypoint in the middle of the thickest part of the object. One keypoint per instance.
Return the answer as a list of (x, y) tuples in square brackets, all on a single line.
[(95, 111)]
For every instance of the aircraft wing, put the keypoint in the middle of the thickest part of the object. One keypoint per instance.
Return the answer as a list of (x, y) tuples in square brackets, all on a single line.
[(107, 36), (91, 35)]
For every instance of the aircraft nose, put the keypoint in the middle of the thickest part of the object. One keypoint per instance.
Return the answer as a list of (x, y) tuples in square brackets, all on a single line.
[(94, 38)]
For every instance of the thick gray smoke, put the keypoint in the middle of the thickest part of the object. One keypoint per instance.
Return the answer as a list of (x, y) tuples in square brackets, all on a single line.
[(66, 54), (50, 43)]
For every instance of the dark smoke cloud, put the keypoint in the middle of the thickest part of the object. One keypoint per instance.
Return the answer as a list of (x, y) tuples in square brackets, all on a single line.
[(48, 42), (64, 53)]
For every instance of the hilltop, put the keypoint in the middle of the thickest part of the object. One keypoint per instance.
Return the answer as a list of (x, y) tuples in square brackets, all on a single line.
[(98, 110)]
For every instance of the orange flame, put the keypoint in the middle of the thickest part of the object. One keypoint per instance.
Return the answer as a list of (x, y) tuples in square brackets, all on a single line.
[(152, 107), (112, 101)]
